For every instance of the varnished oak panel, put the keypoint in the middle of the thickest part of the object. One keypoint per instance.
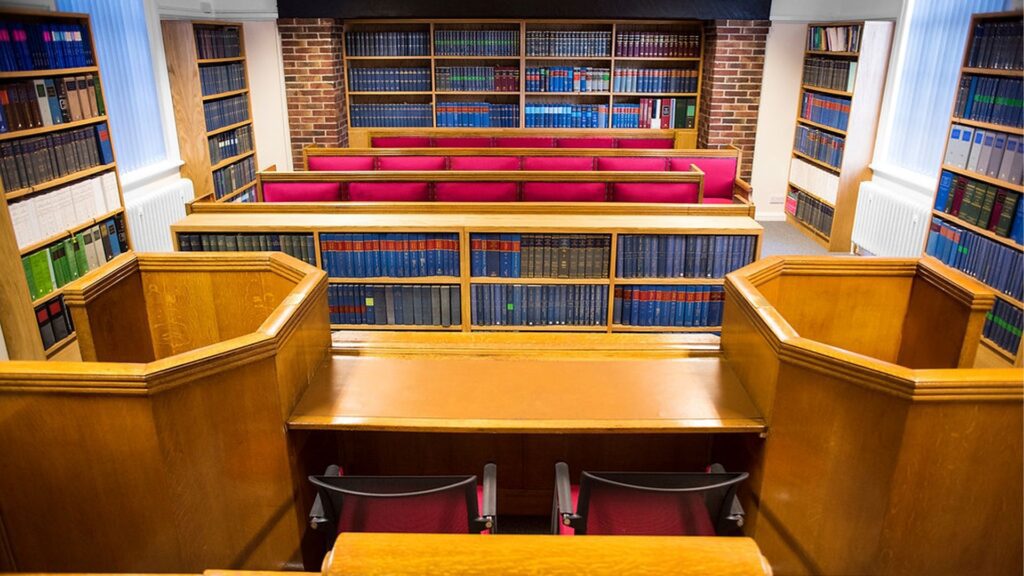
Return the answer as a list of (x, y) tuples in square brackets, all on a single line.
[(186, 93)]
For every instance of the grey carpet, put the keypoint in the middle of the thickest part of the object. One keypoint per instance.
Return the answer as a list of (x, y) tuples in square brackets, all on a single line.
[(781, 238)]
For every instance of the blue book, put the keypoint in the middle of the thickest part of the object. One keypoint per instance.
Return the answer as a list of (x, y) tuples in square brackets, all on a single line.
[(1017, 228), (103, 138), (945, 185)]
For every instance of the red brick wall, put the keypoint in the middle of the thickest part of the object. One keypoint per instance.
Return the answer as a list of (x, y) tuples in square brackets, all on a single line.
[(314, 83), (731, 85)]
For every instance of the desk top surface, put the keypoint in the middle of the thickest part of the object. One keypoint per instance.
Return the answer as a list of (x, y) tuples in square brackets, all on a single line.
[(526, 395)]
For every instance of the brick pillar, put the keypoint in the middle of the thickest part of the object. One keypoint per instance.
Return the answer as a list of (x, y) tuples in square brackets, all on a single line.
[(731, 85), (314, 83)]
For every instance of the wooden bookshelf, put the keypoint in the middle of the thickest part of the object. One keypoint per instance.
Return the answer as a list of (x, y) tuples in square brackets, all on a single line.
[(998, 354), (184, 67), (21, 330), (686, 137), (865, 99)]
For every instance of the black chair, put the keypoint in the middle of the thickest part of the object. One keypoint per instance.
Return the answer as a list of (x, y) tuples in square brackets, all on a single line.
[(647, 503)]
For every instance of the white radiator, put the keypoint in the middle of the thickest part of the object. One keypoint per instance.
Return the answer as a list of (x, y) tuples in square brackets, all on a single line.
[(151, 213), (890, 220)]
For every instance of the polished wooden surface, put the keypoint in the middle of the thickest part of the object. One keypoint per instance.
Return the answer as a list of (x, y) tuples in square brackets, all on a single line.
[(465, 554), (17, 318)]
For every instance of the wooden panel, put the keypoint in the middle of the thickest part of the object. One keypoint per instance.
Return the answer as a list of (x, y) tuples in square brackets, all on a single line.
[(18, 321), (935, 329), (180, 309), (114, 327), (186, 93)]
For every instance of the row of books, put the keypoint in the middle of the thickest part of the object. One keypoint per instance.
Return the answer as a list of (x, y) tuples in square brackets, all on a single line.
[(995, 264), (299, 246), (49, 101), (387, 44), (810, 211), (829, 73), (567, 79), (682, 255), (533, 305), (391, 115), (54, 266), (568, 43), (989, 152), (476, 42), (222, 78), (477, 115), (815, 180), (234, 176), (218, 42), (1003, 325), (476, 78), (40, 216), (54, 322), (834, 38), (828, 110), (655, 113), (997, 45), (978, 203), (559, 115), (43, 46), (678, 306), (395, 305), (657, 45), (655, 80), (230, 143), (393, 255), (540, 255), (995, 100), (226, 111), (30, 161), (389, 79), (245, 197), (820, 145)]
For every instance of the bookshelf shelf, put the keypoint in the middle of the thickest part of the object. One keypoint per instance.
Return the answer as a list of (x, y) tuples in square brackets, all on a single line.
[(398, 327), (472, 93), (390, 93), (1010, 300), (225, 94), (814, 234), (985, 178), (205, 61), (56, 182), (570, 58), (990, 126), (824, 127), (397, 280), (229, 128), (991, 72), (831, 53), (639, 59), (60, 345), (232, 160), (54, 128), (477, 58), (549, 94), (650, 94), (69, 232), (813, 88), (978, 230), (537, 328), (389, 58), (538, 281), (48, 72), (1003, 354), (670, 281), (816, 161), (236, 191), (627, 328), (812, 194)]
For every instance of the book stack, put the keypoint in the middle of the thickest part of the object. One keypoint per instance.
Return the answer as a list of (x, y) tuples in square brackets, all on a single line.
[(833, 38), (296, 245), (395, 305), (655, 80), (389, 255), (532, 305), (682, 256), (232, 177), (391, 115), (476, 43), (822, 146), (990, 152), (995, 264), (43, 46), (230, 143), (568, 43), (830, 73), (828, 110), (54, 322), (993, 100), (225, 112), (30, 161), (477, 115), (657, 45), (560, 115), (540, 255), (389, 79), (48, 102), (997, 45), (983, 205), (810, 211), (387, 44), (476, 79), (54, 266), (655, 113), (222, 78), (815, 180), (678, 306), (41, 216), (1003, 325), (217, 42), (567, 79)]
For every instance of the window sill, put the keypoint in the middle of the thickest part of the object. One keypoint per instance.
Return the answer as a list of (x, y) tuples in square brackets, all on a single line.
[(142, 178), (904, 178)]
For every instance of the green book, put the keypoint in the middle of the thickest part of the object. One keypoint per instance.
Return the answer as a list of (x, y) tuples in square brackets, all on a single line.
[(70, 259), (26, 265), (1007, 213), (57, 260), (970, 207), (80, 256), (987, 201), (42, 273)]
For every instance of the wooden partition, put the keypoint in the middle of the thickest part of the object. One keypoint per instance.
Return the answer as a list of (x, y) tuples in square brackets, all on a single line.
[(885, 453), (363, 137)]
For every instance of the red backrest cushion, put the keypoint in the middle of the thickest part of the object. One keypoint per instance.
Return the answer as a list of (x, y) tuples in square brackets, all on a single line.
[(719, 174), (461, 142), (400, 142), (637, 164), (557, 163), (564, 191), (341, 162), (652, 143), (302, 191), (586, 142), (442, 512), (484, 162), (524, 142), (675, 192), (476, 191), (625, 511), (411, 163), (388, 192)]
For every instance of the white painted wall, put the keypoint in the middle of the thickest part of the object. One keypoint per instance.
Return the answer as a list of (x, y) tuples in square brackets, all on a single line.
[(266, 90), (834, 10), (220, 9)]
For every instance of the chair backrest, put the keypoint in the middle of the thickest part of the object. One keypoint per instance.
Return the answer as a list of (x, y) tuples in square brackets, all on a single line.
[(421, 504), (656, 504)]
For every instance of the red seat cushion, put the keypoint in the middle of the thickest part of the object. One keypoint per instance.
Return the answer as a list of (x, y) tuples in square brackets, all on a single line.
[(400, 142), (516, 142), (564, 192), (719, 174), (637, 164), (651, 143), (388, 192), (461, 142), (593, 142), (341, 162), (476, 192), (484, 162), (302, 191), (411, 163), (717, 200), (675, 192), (557, 163)]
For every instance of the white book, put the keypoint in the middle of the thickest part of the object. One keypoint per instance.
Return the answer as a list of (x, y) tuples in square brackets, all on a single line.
[(90, 252), (25, 223), (986, 152), (954, 137), (66, 205), (110, 190), (996, 159), (963, 146), (1006, 166), (42, 102), (976, 146), (99, 197), (48, 215), (85, 206)]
